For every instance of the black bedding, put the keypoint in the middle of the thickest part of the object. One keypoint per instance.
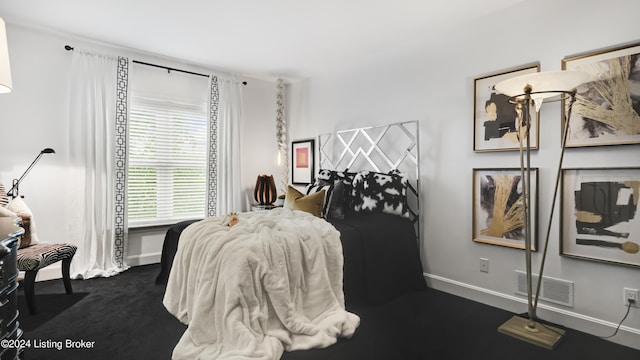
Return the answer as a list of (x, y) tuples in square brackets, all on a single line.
[(169, 248), (381, 259)]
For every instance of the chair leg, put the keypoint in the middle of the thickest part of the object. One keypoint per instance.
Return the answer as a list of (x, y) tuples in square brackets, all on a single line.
[(29, 284), (66, 264)]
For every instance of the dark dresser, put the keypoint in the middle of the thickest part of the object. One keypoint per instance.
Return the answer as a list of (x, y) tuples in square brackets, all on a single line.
[(11, 342)]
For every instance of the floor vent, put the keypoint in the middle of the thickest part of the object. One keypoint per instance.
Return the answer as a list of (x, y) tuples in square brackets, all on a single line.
[(552, 290)]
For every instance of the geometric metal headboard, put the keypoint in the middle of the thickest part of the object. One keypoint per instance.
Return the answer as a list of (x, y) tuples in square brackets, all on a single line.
[(378, 148)]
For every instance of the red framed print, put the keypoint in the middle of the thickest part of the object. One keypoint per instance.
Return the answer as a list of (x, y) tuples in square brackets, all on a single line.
[(302, 158)]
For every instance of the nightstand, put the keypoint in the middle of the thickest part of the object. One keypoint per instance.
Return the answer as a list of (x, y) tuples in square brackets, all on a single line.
[(258, 207)]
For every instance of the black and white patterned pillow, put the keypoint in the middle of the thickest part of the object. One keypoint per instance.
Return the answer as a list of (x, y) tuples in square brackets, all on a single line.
[(328, 193), (326, 175), (336, 206), (340, 201), (379, 192), (333, 175)]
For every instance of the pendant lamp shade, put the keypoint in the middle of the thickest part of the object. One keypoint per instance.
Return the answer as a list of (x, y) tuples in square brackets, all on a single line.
[(6, 85)]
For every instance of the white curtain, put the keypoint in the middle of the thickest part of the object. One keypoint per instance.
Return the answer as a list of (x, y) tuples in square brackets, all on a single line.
[(229, 117), (97, 164)]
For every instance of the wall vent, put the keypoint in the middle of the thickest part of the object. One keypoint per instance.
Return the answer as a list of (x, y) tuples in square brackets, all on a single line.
[(552, 290)]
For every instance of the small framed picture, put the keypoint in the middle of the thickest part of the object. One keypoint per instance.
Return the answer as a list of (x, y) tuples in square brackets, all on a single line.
[(495, 120), (498, 207), (599, 215), (607, 108), (302, 161)]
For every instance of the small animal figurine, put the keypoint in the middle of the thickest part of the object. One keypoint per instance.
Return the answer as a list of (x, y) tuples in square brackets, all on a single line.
[(234, 218)]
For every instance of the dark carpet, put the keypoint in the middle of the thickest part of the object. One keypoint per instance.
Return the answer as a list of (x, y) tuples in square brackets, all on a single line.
[(49, 305), (123, 318)]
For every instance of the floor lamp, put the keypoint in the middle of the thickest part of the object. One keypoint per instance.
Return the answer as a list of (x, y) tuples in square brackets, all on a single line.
[(14, 193), (525, 91)]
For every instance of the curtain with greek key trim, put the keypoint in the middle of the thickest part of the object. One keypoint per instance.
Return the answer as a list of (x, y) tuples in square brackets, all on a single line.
[(97, 175), (225, 117)]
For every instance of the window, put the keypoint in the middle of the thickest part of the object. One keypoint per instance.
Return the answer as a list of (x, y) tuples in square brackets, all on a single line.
[(167, 147)]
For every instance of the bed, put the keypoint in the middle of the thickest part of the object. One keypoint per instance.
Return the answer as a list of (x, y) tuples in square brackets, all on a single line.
[(285, 280)]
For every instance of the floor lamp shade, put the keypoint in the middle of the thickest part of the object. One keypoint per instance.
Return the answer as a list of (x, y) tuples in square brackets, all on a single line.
[(546, 84), (6, 84)]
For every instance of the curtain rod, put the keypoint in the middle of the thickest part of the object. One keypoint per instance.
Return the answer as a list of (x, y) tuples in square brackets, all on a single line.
[(70, 48)]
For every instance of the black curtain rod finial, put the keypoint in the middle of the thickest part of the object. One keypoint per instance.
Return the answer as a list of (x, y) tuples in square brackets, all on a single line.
[(68, 48)]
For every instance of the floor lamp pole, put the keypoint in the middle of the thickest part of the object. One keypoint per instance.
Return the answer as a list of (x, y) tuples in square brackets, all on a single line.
[(525, 170), (530, 329), (565, 134)]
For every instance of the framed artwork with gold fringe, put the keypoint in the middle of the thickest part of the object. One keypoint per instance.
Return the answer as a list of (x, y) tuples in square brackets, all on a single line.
[(607, 108), (599, 215), (498, 207)]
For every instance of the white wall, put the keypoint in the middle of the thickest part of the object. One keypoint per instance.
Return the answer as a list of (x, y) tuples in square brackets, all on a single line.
[(34, 116), (435, 86)]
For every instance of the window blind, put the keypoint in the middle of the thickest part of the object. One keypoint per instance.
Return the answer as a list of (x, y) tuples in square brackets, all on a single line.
[(167, 161)]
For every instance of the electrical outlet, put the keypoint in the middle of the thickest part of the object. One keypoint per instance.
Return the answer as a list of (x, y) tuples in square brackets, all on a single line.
[(631, 295), (484, 265)]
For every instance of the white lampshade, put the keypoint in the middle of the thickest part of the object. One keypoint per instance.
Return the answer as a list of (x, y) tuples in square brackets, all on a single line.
[(5, 70), (544, 84)]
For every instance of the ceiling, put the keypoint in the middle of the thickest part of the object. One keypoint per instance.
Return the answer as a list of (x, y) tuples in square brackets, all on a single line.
[(259, 38)]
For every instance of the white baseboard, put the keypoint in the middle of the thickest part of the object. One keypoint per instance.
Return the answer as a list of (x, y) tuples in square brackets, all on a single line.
[(626, 335), (144, 259)]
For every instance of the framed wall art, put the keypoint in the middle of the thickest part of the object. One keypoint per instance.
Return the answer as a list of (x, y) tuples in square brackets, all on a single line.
[(599, 215), (495, 121), (302, 161), (498, 207), (607, 108)]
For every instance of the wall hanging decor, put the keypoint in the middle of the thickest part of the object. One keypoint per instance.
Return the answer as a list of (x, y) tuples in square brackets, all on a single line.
[(495, 120), (302, 161), (599, 215), (281, 136), (607, 108), (498, 207)]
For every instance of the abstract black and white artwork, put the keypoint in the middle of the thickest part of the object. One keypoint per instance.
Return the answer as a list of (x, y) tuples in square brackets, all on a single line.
[(495, 119), (600, 219)]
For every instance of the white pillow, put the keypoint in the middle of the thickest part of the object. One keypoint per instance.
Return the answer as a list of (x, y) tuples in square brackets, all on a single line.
[(19, 207)]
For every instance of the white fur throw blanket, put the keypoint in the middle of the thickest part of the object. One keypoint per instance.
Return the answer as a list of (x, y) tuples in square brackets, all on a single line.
[(272, 282)]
